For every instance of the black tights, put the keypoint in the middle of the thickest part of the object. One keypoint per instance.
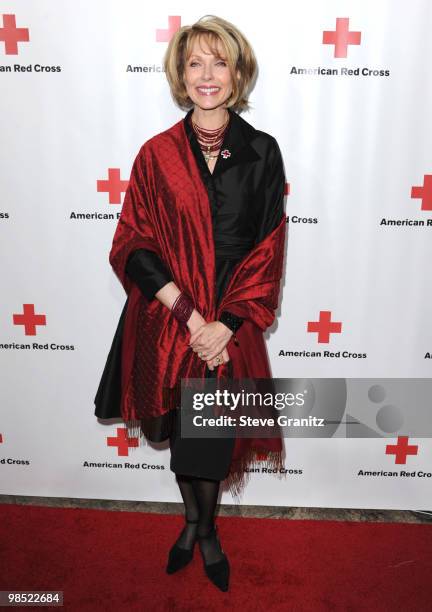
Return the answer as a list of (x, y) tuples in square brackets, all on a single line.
[(200, 499)]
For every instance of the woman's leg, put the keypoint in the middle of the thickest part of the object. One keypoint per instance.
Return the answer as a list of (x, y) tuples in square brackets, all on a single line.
[(188, 535), (206, 494)]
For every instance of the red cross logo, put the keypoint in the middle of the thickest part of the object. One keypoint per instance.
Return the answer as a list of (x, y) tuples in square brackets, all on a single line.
[(11, 35), (402, 449), (114, 185), (29, 319), (341, 38), (424, 192), (324, 326), (174, 24), (122, 442)]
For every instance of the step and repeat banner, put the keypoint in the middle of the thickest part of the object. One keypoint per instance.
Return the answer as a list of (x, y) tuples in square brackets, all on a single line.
[(345, 88)]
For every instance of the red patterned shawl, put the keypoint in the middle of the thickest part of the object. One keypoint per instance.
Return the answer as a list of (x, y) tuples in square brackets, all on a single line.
[(167, 210)]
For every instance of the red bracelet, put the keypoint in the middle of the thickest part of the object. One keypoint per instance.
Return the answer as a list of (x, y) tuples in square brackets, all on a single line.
[(182, 308)]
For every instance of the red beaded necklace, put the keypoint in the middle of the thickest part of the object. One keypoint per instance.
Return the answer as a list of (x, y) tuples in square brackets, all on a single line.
[(210, 140)]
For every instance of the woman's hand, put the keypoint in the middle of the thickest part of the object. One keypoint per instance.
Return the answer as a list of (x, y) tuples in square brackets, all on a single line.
[(223, 358), (210, 340), (196, 321)]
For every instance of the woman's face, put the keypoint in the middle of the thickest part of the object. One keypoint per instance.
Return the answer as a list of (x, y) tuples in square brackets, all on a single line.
[(207, 77)]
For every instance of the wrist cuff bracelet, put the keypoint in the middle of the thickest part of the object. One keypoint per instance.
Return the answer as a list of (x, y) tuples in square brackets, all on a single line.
[(182, 308)]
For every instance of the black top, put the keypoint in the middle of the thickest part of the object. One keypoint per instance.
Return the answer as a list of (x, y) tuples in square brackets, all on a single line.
[(150, 273), (244, 210)]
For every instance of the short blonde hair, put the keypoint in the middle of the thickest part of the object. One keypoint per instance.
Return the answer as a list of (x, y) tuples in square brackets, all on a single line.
[(238, 55)]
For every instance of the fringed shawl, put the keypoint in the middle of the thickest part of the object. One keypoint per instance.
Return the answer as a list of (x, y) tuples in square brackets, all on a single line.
[(167, 210)]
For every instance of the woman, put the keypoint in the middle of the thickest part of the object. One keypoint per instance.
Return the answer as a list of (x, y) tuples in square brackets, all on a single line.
[(199, 250)]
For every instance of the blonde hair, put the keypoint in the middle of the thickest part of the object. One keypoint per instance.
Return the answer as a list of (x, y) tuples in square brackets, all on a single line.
[(238, 55)]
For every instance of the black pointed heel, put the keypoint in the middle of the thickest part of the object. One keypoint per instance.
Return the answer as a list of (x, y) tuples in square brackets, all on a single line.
[(178, 557), (218, 572)]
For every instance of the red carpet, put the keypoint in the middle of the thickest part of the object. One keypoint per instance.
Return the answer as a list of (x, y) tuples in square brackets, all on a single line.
[(106, 560)]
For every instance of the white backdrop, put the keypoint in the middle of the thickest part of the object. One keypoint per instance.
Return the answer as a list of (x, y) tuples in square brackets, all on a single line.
[(356, 147)]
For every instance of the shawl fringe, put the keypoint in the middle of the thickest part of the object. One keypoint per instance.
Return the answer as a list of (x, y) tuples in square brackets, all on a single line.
[(239, 474), (134, 431)]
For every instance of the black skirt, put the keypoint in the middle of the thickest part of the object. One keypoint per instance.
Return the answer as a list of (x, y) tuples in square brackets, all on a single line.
[(208, 458)]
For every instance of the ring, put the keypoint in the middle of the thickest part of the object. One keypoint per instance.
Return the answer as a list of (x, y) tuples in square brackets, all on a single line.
[(217, 360), (199, 354)]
